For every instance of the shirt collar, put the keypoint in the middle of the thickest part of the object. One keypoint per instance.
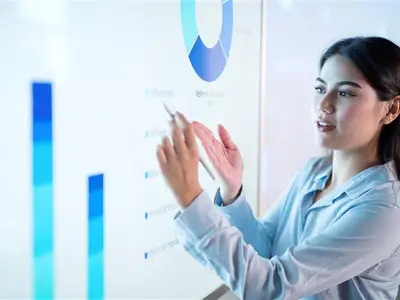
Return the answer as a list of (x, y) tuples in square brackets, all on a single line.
[(371, 178), (359, 184), (319, 181)]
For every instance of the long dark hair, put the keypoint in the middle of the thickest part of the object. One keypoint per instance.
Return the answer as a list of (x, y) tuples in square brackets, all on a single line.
[(378, 59)]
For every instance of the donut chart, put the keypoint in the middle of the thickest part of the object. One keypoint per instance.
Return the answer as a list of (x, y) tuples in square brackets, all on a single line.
[(208, 63)]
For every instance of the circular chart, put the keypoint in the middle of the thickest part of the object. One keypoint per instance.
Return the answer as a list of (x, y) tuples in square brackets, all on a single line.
[(208, 63)]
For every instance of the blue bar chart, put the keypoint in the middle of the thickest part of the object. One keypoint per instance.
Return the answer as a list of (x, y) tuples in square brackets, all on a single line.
[(42, 169), (95, 277)]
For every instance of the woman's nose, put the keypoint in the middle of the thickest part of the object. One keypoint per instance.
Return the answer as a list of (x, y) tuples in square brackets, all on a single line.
[(325, 105)]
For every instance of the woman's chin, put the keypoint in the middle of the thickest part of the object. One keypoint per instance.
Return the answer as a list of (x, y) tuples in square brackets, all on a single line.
[(327, 143)]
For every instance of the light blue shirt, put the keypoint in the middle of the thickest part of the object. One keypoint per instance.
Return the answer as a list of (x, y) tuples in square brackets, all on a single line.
[(344, 246)]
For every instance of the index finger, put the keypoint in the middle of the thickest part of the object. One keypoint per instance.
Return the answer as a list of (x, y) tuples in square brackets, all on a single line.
[(188, 132)]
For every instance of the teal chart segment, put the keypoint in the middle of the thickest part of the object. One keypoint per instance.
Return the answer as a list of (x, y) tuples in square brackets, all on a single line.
[(208, 63)]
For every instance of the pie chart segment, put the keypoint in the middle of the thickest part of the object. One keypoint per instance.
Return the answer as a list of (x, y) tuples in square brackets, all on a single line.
[(189, 24), (208, 63)]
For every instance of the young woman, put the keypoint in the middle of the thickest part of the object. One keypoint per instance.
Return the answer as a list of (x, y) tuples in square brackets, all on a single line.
[(335, 233)]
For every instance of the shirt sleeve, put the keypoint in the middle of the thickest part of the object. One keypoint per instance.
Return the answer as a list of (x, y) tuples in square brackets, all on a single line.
[(258, 233), (363, 236)]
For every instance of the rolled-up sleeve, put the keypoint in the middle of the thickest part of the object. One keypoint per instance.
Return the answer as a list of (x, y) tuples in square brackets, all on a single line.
[(363, 236)]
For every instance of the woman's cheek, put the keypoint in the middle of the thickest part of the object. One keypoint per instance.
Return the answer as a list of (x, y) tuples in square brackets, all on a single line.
[(350, 115)]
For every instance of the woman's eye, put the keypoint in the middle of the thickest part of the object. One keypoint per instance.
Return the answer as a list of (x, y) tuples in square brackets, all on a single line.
[(318, 89), (345, 94)]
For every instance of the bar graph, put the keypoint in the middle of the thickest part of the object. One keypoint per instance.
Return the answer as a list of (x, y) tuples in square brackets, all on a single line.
[(42, 175), (43, 205), (96, 237)]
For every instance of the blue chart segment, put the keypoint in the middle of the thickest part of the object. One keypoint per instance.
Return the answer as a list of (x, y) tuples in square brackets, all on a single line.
[(208, 63), (96, 237), (42, 167)]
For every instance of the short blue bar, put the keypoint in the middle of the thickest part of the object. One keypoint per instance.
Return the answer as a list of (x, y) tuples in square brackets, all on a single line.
[(95, 279), (96, 182), (95, 288), (95, 204), (95, 236)]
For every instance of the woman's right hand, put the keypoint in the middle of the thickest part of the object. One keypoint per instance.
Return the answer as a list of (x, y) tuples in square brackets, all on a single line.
[(225, 157)]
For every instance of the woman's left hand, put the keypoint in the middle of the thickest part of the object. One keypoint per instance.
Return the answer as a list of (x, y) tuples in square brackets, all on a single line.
[(179, 162)]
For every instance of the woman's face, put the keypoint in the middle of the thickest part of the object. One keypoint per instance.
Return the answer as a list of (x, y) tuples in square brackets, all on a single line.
[(346, 110)]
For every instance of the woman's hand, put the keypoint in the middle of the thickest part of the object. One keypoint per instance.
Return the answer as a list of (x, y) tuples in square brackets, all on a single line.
[(225, 157), (179, 162)]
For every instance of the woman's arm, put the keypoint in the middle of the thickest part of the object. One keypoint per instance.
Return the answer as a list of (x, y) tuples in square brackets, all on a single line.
[(365, 235), (260, 233)]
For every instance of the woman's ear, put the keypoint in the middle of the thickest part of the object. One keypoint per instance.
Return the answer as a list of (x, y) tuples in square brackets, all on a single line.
[(392, 111)]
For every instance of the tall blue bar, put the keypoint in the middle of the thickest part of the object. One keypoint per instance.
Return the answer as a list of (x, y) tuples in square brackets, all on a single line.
[(96, 237), (42, 175)]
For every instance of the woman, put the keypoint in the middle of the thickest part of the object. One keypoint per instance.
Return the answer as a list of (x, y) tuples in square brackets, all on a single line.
[(335, 233)]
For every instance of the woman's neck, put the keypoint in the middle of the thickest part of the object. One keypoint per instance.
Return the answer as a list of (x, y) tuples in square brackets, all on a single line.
[(347, 164)]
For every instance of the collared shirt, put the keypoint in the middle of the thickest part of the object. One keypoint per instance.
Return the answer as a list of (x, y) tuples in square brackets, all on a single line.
[(344, 246)]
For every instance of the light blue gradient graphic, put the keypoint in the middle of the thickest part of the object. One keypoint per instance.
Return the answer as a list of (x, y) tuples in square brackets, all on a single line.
[(208, 63), (96, 238), (43, 193)]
